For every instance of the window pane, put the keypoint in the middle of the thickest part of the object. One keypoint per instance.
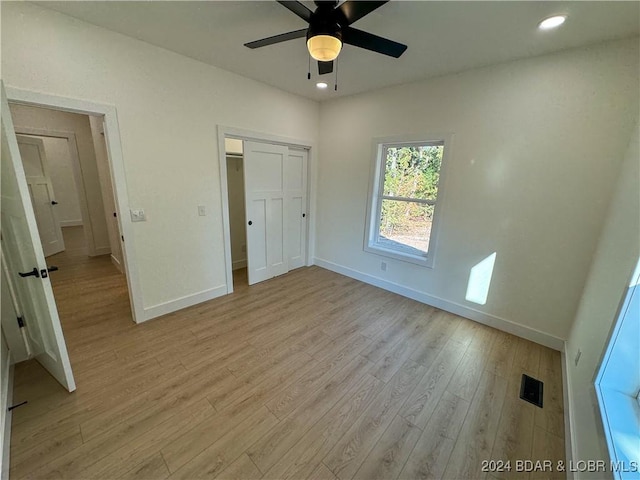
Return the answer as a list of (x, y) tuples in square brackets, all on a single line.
[(413, 171), (405, 226)]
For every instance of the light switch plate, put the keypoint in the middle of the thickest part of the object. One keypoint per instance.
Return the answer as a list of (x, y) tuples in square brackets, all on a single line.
[(138, 215)]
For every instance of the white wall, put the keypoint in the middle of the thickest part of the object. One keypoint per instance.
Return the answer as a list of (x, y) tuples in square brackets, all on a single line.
[(537, 148), (106, 188), (64, 185), (168, 109), (235, 179), (42, 118), (615, 259)]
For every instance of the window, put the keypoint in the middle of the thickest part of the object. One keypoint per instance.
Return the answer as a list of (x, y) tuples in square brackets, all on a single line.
[(618, 384), (402, 216)]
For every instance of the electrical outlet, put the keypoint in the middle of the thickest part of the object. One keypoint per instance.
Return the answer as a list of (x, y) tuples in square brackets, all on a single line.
[(383, 266), (138, 215), (578, 355), (202, 211)]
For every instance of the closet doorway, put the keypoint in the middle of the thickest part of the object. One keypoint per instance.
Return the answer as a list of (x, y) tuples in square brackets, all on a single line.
[(268, 202)]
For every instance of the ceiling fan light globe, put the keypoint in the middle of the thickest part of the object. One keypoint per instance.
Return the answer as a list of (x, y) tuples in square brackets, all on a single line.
[(324, 48)]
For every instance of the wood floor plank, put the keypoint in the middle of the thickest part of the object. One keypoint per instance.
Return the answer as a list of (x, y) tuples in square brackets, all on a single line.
[(502, 354), (389, 455), (241, 469), (431, 454), (475, 441), (514, 437), (424, 399), (221, 454), (151, 468), (268, 450), (429, 459), (44, 452), (351, 450), (467, 376), (305, 456), (548, 448), (299, 391), (322, 473), (138, 451), (307, 375)]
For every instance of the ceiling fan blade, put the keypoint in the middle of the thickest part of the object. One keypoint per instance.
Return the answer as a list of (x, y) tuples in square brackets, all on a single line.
[(372, 42), (353, 10), (283, 37), (325, 67), (297, 8)]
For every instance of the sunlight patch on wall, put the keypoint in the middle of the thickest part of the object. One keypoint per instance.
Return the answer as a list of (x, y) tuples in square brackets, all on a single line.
[(480, 280)]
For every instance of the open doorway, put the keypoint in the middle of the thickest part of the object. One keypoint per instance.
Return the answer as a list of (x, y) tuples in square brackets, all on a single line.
[(237, 216), (67, 168)]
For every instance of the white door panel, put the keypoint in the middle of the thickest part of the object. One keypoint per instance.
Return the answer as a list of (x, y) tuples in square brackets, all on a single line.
[(266, 209), (257, 239), (296, 195), (23, 252), (34, 161)]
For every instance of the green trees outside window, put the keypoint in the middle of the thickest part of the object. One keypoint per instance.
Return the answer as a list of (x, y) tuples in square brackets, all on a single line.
[(411, 176)]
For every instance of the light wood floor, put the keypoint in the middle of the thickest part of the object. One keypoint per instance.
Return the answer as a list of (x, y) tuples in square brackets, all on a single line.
[(309, 375)]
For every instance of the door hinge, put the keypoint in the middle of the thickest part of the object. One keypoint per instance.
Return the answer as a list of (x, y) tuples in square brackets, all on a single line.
[(20, 322)]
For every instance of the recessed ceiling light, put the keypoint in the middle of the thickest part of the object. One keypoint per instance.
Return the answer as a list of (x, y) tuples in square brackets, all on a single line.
[(321, 85), (552, 22)]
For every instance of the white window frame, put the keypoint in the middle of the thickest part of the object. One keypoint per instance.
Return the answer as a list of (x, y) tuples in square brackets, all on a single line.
[(376, 190)]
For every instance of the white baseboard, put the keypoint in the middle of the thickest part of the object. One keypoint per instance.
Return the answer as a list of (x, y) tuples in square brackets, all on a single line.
[(71, 223), (237, 264), (569, 441), (183, 302), (117, 263), (101, 251), (494, 321), (6, 435)]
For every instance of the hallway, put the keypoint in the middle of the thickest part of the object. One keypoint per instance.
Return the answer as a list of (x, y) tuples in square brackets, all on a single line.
[(79, 286)]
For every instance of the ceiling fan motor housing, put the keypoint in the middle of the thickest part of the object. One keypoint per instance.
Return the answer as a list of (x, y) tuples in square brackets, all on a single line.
[(324, 24)]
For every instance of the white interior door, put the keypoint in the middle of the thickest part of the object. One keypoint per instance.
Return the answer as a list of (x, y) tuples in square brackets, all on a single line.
[(23, 253), (266, 210), (295, 187), (34, 161)]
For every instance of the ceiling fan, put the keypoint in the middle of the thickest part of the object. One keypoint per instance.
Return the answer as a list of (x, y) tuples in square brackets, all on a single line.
[(330, 27)]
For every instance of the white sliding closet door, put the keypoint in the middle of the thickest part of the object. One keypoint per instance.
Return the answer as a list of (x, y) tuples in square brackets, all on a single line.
[(266, 210), (296, 199)]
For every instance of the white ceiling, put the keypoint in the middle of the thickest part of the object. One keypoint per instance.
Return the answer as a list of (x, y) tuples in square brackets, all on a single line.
[(443, 37)]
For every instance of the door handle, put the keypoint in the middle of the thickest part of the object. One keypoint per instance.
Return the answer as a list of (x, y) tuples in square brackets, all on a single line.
[(53, 202), (250, 222), (42, 273), (304, 215), (32, 273)]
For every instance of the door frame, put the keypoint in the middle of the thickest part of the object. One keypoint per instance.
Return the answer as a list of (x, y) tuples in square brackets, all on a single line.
[(116, 168), (244, 134), (70, 137)]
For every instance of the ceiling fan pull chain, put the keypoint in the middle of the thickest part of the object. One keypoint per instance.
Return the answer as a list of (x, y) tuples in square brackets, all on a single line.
[(309, 70), (335, 87)]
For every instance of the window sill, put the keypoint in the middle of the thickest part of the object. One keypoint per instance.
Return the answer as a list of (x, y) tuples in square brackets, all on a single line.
[(423, 261), (621, 420)]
